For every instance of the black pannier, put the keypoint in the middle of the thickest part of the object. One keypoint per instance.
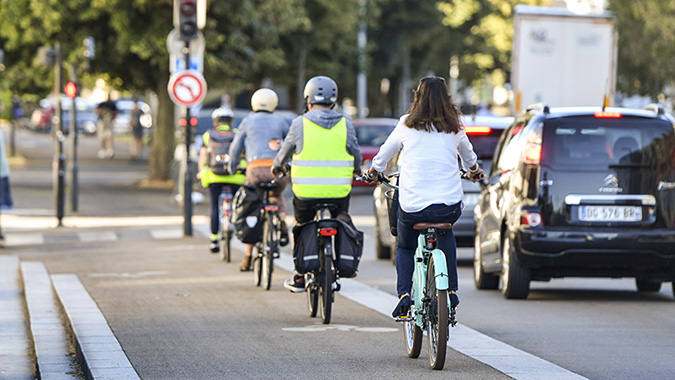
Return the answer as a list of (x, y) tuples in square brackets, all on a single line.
[(349, 247), (247, 214), (305, 247)]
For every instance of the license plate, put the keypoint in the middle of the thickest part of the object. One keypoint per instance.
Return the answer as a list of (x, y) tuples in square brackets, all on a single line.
[(610, 213)]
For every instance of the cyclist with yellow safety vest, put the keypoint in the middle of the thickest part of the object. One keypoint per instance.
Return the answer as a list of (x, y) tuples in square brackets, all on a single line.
[(260, 135), (325, 154), (212, 171)]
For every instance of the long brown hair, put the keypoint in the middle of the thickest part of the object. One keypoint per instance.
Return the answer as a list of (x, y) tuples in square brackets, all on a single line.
[(433, 104)]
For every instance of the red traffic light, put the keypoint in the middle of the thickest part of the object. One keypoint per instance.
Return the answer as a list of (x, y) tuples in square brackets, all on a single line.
[(185, 19), (71, 90)]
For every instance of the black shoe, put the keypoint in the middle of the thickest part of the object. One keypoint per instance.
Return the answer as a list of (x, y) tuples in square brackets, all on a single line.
[(295, 284), (214, 247), (403, 307), (245, 265), (283, 239), (454, 300)]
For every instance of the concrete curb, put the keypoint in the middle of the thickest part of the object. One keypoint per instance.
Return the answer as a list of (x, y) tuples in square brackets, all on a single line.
[(15, 349), (99, 351)]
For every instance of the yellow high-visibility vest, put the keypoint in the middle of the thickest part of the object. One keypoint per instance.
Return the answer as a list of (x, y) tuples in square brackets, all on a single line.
[(324, 168)]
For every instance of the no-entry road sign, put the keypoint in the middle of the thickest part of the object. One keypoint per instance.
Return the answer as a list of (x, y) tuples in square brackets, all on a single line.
[(187, 88)]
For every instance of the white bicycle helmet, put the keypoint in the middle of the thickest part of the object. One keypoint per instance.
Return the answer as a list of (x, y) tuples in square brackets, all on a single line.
[(222, 112), (264, 99)]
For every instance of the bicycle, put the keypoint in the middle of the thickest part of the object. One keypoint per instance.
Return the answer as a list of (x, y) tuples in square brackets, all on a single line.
[(431, 310), (324, 281), (268, 248)]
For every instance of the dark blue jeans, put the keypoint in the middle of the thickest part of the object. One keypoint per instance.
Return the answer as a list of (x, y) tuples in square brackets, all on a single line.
[(407, 242)]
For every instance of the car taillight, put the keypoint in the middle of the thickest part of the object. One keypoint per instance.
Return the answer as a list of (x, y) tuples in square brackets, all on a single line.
[(477, 130), (532, 153), (328, 231), (607, 115), (532, 219)]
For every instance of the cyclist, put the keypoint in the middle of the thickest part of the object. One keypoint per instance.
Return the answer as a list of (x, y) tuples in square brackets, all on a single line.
[(430, 137), (260, 135), (325, 156), (222, 121)]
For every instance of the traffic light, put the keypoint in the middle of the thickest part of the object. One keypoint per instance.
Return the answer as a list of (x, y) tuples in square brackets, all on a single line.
[(185, 19), (71, 90)]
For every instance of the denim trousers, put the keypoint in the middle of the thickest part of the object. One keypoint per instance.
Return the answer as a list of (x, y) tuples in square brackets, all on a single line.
[(407, 242)]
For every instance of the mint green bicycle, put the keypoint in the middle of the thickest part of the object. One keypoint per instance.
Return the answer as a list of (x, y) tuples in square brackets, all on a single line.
[(430, 297)]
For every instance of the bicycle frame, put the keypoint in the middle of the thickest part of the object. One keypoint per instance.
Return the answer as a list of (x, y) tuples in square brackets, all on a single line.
[(422, 256)]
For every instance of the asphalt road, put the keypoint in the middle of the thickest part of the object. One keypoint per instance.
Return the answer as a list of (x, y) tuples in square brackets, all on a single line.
[(180, 313)]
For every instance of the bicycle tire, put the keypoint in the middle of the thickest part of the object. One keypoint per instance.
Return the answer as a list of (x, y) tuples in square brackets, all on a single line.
[(225, 253), (257, 269), (326, 284), (437, 320), (412, 333), (312, 299)]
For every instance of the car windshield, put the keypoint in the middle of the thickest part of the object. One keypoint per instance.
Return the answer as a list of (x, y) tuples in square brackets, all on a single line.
[(372, 135), (588, 142)]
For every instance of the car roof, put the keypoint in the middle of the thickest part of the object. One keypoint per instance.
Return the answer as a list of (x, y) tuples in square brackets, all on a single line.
[(496, 122), (556, 112)]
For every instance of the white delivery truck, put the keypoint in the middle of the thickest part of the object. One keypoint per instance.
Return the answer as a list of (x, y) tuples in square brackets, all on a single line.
[(562, 58)]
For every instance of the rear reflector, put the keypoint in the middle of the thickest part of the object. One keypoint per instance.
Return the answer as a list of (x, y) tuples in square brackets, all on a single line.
[(328, 231), (530, 219), (607, 115), (477, 130)]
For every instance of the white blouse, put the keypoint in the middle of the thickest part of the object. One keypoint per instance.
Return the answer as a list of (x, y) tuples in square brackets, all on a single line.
[(429, 170)]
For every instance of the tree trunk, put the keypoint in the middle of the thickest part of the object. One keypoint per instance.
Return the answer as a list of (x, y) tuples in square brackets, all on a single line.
[(164, 140)]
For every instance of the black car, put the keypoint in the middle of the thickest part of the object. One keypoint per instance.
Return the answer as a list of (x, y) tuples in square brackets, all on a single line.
[(579, 192), (483, 132)]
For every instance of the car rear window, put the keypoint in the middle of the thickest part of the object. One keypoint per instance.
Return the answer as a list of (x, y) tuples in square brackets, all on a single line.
[(484, 145), (372, 135), (592, 143)]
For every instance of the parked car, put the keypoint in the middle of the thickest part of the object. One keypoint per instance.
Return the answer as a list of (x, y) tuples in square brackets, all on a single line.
[(121, 121), (483, 132), (371, 133), (579, 192), (85, 117)]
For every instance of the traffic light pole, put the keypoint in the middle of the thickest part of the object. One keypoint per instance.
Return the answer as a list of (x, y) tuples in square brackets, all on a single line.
[(187, 183), (59, 157), (74, 183)]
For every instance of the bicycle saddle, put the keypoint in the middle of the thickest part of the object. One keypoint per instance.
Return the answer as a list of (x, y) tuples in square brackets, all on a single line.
[(424, 226)]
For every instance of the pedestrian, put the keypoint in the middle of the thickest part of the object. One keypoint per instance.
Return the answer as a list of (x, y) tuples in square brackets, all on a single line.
[(106, 111), (325, 153), (6, 202), (17, 122), (136, 147), (430, 137), (212, 170), (260, 135)]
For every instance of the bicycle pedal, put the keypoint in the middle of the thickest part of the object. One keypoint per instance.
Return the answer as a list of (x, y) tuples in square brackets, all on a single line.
[(403, 319), (275, 255)]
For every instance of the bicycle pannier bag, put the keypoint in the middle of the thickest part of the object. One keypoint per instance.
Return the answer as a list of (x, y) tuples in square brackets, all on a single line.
[(247, 214), (217, 148), (305, 247), (349, 246)]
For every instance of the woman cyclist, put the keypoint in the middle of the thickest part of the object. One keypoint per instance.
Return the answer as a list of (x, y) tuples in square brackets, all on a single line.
[(430, 137)]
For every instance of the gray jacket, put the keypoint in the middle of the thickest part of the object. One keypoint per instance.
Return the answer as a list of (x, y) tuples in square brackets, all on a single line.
[(327, 119), (254, 134)]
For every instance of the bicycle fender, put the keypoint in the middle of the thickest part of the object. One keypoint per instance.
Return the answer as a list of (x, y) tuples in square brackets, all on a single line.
[(441, 270)]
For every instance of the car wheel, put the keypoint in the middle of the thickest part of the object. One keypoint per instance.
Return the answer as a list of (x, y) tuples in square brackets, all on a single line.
[(381, 251), (646, 285), (515, 278), (482, 280)]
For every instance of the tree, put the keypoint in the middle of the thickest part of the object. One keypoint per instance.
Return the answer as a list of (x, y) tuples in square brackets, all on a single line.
[(646, 43)]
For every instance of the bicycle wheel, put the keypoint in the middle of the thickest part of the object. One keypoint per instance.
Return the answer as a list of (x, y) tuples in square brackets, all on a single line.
[(312, 298), (270, 249), (437, 320), (257, 268), (412, 333), (226, 242), (326, 284)]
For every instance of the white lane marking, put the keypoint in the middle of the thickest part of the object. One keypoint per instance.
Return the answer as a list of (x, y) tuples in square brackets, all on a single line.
[(504, 358), (166, 234), (12, 240), (316, 328), (89, 237), (128, 275)]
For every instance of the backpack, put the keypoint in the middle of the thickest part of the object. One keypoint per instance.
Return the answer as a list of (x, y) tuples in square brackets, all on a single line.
[(349, 246), (247, 214), (305, 247), (217, 148)]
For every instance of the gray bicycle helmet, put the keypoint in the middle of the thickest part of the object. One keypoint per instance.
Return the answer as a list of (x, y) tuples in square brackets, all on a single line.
[(321, 90)]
